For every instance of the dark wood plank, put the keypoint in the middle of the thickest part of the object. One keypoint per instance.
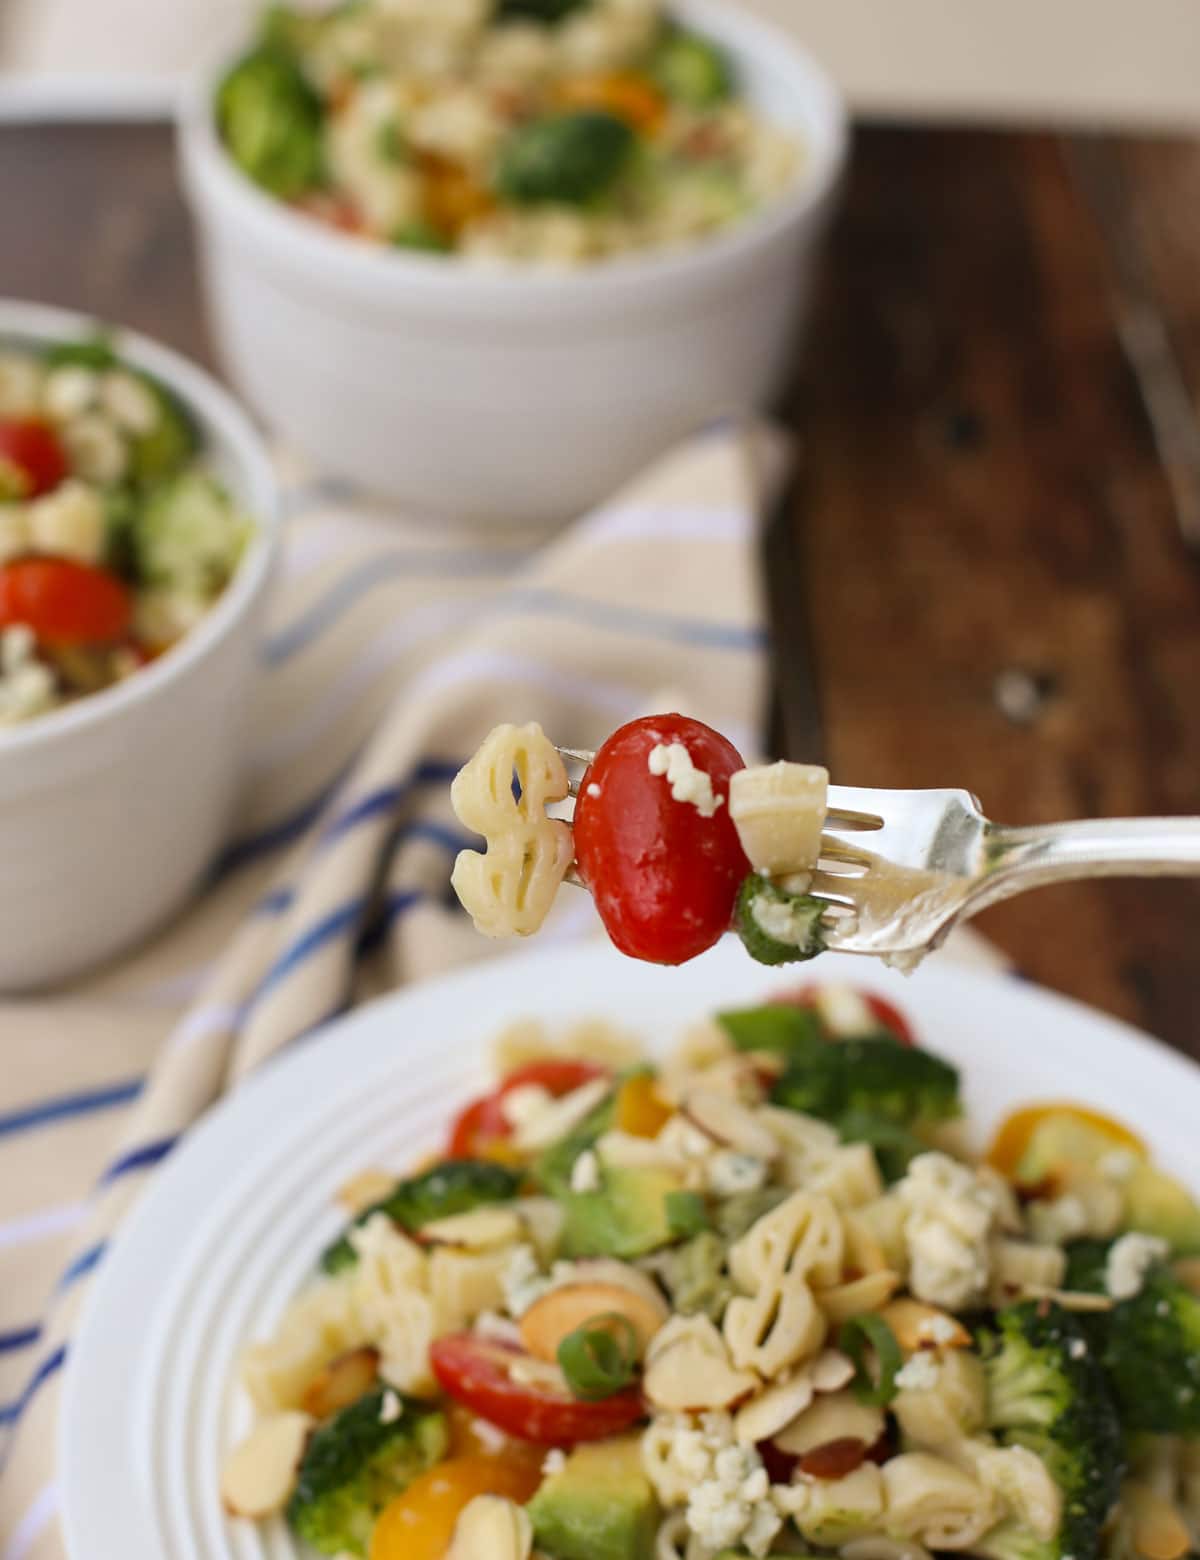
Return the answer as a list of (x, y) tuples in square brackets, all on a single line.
[(96, 222), (990, 512)]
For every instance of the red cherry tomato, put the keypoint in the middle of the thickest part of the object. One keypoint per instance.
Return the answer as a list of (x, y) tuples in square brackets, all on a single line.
[(476, 1372), (663, 876), (33, 448), (482, 1125), (883, 1012), (65, 603)]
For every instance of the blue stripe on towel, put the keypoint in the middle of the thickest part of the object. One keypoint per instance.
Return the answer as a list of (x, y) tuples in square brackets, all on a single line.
[(67, 1105)]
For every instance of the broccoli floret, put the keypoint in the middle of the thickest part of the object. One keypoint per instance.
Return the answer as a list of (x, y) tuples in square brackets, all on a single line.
[(568, 158), (691, 69), (166, 447), (895, 1145), (1047, 1391), (188, 536), (454, 1186), (1149, 1344), (875, 1076), (355, 1464), (801, 914), (269, 118)]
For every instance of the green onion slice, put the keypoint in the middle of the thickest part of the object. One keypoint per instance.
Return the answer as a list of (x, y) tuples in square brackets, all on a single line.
[(599, 1358), (871, 1331)]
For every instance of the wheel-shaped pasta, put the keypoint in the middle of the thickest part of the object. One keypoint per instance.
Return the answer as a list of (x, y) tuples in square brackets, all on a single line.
[(777, 1322), (509, 890), (932, 1500)]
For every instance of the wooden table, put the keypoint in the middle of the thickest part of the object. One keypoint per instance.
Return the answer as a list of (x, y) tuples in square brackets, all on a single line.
[(986, 580)]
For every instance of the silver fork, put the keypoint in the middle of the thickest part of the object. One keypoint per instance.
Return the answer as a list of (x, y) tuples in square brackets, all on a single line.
[(899, 869)]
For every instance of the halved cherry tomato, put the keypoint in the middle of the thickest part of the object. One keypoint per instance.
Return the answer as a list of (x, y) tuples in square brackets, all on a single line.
[(32, 447), (63, 602), (482, 1126), (418, 1524), (882, 1011), (477, 1372), (664, 877), (1016, 1131), (626, 94)]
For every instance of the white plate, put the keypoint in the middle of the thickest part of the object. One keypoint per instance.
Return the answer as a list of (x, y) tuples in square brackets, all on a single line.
[(239, 1214)]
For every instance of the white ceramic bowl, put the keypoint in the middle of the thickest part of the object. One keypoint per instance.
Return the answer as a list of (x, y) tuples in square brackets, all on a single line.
[(512, 394), (111, 809)]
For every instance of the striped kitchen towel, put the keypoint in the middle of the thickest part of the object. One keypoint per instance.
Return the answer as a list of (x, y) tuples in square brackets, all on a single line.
[(391, 650)]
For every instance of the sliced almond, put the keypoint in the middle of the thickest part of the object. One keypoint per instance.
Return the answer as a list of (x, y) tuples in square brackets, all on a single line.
[(835, 1416), (871, 1292), (863, 1253), (759, 1419), (730, 1122), (258, 1477), (831, 1370), (688, 1367), (608, 1270), (364, 1190), (920, 1326), (481, 1229), (1159, 1531), (548, 1320), (341, 1383), (491, 1528)]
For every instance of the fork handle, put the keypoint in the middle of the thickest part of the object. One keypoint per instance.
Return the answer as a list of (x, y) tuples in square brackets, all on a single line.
[(1032, 857)]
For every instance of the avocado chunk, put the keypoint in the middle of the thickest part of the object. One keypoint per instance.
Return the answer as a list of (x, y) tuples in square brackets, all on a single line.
[(1158, 1204), (600, 1506), (627, 1217)]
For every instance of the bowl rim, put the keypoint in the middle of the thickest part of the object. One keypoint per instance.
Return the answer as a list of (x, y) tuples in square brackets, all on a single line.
[(379, 271), (226, 425)]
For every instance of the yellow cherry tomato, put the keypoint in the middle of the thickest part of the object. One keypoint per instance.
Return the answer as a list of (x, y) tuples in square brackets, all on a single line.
[(641, 1110), (625, 94), (1060, 1133), (452, 195), (419, 1523)]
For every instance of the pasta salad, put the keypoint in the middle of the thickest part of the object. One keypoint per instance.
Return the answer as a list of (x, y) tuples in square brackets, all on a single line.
[(115, 541), (550, 131), (755, 1299)]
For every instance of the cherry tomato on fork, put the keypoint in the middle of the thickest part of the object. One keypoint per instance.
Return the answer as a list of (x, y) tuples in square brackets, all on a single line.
[(663, 875), (32, 448), (479, 1373), (63, 602), (482, 1125)]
